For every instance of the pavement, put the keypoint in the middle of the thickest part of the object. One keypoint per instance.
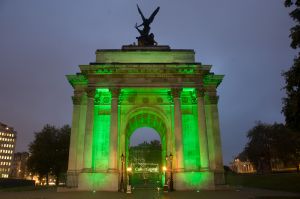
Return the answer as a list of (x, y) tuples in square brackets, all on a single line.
[(230, 193)]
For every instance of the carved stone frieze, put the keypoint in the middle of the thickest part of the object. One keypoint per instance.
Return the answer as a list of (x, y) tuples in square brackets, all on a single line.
[(159, 100), (102, 98), (145, 100)]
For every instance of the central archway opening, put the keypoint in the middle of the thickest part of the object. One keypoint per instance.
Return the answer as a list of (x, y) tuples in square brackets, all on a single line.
[(146, 146), (145, 158)]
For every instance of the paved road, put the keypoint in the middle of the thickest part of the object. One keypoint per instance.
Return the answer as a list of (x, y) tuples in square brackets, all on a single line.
[(233, 193)]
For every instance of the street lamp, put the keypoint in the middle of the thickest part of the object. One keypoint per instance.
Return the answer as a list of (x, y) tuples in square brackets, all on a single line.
[(129, 170), (165, 181), (170, 181), (122, 171)]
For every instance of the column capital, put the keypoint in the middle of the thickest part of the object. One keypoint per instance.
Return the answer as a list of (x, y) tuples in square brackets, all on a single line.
[(115, 92), (76, 98), (176, 92), (90, 92), (200, 92), (213, 99)]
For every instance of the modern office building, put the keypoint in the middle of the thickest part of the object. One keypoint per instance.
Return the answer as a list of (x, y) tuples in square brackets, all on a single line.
[(19, 166), (7, 147)]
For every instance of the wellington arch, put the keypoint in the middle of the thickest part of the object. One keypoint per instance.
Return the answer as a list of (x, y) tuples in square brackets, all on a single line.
[(144, 86)]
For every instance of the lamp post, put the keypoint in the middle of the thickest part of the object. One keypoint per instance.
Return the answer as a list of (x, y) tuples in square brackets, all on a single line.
[(122, 171), (129, 170), (170, 181), (165, 180)]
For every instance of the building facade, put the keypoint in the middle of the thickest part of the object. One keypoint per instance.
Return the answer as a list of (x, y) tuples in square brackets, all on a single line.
[(240, 166), (134, 87), (19, 166), (7, 147)]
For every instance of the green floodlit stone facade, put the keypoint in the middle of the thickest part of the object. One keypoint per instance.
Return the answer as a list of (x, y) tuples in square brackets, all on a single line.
[(136, 87)]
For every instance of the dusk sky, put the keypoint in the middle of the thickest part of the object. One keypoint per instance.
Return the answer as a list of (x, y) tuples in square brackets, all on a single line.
[(42, 41)]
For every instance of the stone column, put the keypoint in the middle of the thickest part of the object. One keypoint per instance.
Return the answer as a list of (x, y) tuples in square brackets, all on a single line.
[(72, 164), (215, 150), (178, 129), (113, 143), (202, 135), (88, 138), (213, 100), (74, 130)]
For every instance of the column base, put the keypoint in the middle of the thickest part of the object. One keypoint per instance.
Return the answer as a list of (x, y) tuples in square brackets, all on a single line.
[(72, 179), (112, 170), (193, 180), (219, 177), (98, 181)]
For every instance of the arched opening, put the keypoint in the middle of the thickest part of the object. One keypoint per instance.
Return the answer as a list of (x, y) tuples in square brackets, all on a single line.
[(145, 158), (146, 150)]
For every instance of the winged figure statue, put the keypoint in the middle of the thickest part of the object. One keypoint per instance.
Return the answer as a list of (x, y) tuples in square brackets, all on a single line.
[(146, 38)]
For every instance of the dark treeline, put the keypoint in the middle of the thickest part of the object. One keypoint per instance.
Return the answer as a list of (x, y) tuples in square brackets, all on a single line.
[(49, 152), (271, 144)]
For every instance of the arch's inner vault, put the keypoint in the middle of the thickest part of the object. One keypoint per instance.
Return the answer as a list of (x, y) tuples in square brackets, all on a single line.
[(138, 87)]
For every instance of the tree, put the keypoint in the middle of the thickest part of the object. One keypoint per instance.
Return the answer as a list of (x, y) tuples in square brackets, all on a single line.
[(49, 152), (61, 151), (286, 145), (291, 103), (259, 148), (149, 152), (42, 156), (271, 144)]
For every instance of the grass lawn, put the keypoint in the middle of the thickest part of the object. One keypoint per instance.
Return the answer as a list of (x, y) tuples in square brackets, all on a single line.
[(282, 181)]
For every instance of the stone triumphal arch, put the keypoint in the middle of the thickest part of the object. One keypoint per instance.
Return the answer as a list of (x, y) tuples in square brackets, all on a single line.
[(139, 86)]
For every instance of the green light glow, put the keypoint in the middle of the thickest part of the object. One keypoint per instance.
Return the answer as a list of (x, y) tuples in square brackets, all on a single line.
[(188, 89), (190, 131), (190, 144), (195, 180), (101, 133)]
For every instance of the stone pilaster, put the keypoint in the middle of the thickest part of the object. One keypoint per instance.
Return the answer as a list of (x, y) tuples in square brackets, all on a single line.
[(202, 134), (72, 164), (76, 98), (88, 139), (178, 129), (113, 144), (216, 159)]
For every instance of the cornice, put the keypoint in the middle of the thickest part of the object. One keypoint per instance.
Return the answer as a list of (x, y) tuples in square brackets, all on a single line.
[(212, 80), (78, 79)]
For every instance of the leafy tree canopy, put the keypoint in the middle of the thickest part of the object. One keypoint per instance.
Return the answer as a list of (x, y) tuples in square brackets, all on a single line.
[(49, 151), (291, 103), (270, 144)]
